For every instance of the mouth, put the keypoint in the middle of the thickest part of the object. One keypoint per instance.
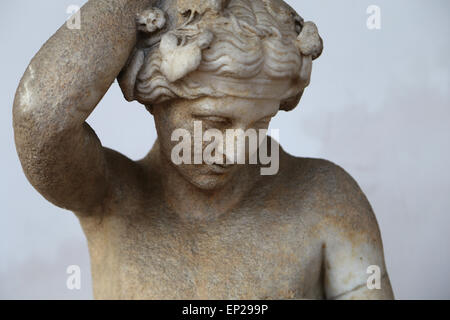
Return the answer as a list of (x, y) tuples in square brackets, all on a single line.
[(220, 168)]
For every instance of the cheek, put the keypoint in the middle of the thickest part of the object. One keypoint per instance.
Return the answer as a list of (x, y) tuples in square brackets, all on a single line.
[(170, 124), (167, 120)]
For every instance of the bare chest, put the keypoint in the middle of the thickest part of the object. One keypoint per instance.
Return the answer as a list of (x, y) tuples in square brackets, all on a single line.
[(257, 256)]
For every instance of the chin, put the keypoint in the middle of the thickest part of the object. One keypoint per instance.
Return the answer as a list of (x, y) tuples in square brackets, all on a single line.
[(209, 182), (205, 177)]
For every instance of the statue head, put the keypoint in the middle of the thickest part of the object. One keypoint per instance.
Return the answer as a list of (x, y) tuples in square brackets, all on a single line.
[(228, 63)]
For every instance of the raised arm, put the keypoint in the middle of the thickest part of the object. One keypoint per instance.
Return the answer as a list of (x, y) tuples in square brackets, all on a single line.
[(60, 154)]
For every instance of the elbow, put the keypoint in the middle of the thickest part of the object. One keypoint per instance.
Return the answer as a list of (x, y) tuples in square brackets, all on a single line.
[(33, 114), (30, 123), (26, 100)]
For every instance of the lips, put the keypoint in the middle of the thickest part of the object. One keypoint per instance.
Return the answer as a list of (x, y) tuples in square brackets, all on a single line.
[(220, 168)]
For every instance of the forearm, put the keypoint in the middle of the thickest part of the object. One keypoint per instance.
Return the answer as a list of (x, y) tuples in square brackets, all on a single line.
[(74, 69)]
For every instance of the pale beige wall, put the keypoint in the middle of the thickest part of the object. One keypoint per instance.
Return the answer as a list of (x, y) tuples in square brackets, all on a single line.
[(378, 106)]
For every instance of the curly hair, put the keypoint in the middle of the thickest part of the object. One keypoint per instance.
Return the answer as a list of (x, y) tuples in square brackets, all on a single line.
[(245, 48)]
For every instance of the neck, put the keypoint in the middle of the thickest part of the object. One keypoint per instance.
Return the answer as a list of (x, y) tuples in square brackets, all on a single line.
[(192, 203)]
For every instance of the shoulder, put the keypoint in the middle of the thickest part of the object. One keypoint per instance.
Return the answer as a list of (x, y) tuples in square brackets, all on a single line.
[(343, 221), (329, 191), (319, 175)]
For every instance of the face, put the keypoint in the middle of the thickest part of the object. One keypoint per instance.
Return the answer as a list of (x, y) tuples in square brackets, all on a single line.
[(184, 128)]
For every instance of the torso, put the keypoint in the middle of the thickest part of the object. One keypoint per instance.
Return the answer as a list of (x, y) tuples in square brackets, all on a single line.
[(269, 247)]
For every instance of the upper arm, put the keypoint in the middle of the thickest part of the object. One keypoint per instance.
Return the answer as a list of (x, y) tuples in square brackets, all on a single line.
[(352, 244), (67, 166), (72, 169), (60, 154)]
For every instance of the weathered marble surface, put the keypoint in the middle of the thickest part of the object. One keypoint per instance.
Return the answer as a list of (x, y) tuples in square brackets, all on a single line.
[(156, 230)]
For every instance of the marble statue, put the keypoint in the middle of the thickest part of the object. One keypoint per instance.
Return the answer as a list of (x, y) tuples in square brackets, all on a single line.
[(157, 229)]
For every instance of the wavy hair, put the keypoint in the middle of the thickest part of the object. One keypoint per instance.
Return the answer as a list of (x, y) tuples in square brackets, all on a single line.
[(246, 48)]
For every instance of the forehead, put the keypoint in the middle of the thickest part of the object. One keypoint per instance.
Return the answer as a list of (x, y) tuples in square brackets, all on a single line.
[(233, 107)]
